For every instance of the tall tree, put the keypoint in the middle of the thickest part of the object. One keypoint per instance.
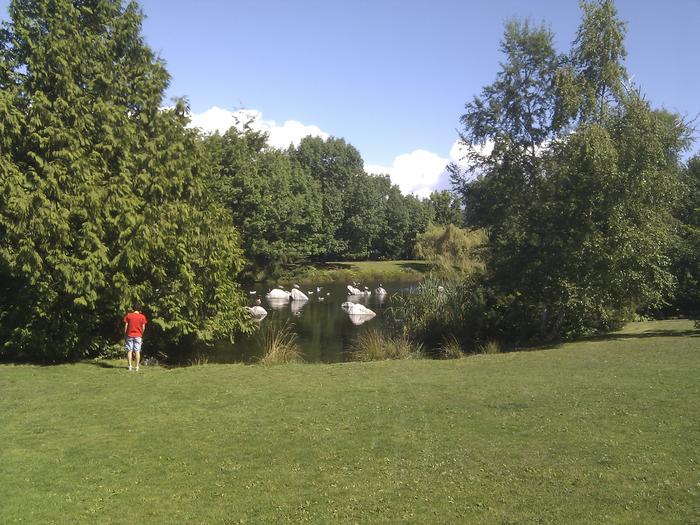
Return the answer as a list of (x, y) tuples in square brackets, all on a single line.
[(593, 80), (275, 204), (365, 215), (686, 262), (333, 163), (506, 127), (447, 208), (103, 201), (577, 194)]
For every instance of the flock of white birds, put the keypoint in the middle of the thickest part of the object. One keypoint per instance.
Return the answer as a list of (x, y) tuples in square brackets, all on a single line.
[(279, 297)]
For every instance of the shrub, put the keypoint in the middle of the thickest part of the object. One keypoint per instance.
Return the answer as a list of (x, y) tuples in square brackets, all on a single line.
[(454, 251), (451, 348), (199, 360), (278, 345), (491, 347), (470, 312), (374, 345)]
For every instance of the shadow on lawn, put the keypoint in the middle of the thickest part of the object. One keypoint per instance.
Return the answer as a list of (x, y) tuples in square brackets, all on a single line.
[(335, 266), (103, 364), (422, 267), (647, 334)]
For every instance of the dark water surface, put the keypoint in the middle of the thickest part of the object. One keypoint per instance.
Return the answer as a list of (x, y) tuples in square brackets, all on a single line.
[(324, 331)]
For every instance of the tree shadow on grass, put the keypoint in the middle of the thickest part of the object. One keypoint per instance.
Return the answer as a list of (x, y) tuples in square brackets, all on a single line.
[(647, 334), (335, 266), (614, 336), (101, 364), (421, 267)]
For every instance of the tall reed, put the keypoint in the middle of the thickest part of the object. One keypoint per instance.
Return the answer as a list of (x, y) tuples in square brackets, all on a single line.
[(278, 345), (450, 348), (374, 345)]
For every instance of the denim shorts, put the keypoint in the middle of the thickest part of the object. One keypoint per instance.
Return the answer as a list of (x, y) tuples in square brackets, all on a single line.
[(132, 344)]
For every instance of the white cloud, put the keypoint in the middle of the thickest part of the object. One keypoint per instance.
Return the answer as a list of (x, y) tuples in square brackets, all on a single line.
[(421, 172), (418, 172), (219, 119)]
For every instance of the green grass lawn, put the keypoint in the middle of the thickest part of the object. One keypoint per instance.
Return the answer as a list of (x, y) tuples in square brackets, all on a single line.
[(362, 271), (600, 431)]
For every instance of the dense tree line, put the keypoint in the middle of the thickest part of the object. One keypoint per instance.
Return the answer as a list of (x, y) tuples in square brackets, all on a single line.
[(685, 253), (315, 202), (579, 192), (107, 198)]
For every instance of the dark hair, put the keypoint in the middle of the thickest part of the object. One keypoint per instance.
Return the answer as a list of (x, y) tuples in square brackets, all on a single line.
[(137, 307)]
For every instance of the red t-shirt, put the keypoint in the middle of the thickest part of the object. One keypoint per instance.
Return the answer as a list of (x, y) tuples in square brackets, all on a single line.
[(136, 322)]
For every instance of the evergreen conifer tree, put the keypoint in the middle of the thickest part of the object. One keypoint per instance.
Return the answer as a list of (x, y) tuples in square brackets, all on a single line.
[(102, 195)]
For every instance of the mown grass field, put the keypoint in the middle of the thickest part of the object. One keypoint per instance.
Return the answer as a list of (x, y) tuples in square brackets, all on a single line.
[(409, 270), (600, 431)]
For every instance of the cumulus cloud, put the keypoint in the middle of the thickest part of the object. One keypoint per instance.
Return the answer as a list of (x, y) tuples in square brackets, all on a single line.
[(459, 151), (421, 172), (280, 136), (417, 172)]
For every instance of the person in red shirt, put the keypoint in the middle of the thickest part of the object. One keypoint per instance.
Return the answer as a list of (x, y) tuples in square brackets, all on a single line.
[(134, 326)]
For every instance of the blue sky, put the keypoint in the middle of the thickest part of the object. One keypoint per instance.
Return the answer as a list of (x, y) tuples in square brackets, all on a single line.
[(389, 76)]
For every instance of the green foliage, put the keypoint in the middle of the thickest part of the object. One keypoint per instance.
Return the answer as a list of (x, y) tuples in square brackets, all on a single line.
[(451, 348), (360, 271), (275, 204), (447, 208), (199, 359), (577, 192), (452, 250), (505, 129), (103, 201), (365, 216), (332, 163), (596, 62), (470, 311), (685, 258), (309, 203), (491, 347)]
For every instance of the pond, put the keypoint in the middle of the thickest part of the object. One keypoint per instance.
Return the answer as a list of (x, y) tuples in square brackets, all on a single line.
[(324, 330)]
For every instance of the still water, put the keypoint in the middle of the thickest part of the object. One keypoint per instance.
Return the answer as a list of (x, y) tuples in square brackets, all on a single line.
[(324, 331)]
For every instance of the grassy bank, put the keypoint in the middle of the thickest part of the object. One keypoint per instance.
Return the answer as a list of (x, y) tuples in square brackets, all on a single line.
[(360, 271), (602, 431)]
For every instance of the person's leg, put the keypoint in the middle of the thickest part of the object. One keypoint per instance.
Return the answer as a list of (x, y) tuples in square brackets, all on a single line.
[(137, 350)]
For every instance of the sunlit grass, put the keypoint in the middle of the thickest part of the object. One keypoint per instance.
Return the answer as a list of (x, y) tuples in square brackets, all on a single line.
[(597, 431), (364, 271)]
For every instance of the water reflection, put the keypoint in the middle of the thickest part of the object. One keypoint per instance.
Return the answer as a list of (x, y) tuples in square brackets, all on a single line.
[(360, 299), (278, 303), (324, 331), (357, 320), (297, 306)]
